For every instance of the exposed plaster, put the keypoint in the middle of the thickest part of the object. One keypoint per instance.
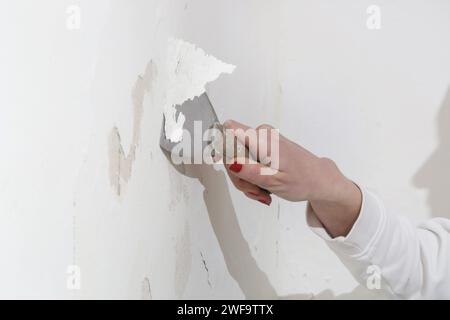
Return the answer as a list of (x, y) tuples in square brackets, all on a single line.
[(121, 164)]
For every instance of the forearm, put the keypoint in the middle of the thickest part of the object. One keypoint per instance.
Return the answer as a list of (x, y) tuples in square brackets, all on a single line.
[(336, 200), (412, 263), (409, 262)]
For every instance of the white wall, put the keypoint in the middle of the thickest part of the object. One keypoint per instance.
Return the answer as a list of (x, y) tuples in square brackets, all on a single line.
[(367, 98)]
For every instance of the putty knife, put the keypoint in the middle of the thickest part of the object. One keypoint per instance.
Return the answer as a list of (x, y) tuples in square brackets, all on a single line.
[(200, 109)]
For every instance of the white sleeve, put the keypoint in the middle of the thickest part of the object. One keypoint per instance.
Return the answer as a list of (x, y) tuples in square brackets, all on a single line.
[(411, 262)]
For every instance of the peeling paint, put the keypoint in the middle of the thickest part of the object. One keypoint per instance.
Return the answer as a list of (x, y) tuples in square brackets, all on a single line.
[(121, 164), (189, 69)]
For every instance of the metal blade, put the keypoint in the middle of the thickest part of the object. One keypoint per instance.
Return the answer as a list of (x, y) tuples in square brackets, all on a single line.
[(197, 109)]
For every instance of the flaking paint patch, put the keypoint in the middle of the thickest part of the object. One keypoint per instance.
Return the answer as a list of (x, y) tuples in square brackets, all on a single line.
[(121, 164), (182, 75), (146, 289), (189, 70), (183, 262)]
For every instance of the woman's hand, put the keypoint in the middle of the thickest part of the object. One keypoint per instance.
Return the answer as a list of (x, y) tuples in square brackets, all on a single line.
[(300, 176)]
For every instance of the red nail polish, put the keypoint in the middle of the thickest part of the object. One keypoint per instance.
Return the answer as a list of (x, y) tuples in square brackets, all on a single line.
[(236, 167), (266, 202)]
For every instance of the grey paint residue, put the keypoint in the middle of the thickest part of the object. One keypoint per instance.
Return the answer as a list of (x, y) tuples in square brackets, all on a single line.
[(121, 164)]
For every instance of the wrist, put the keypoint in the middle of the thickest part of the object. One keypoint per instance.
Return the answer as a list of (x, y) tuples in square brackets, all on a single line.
[(328, 182), (337, 200)]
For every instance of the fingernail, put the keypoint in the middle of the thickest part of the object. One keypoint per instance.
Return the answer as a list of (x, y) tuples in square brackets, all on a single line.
[(266, 202), (236, 167)]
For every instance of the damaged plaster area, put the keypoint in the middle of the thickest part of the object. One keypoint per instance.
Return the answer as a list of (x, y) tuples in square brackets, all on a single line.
[(181, 75), (189, 70), (146, 289), (121, 163)]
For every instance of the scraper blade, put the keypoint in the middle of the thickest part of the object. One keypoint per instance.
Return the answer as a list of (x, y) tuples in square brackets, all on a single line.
[(198, 110)]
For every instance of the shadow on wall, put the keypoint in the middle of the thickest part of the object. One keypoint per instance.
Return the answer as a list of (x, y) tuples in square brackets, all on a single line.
[(240, 263), (435, 173)]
